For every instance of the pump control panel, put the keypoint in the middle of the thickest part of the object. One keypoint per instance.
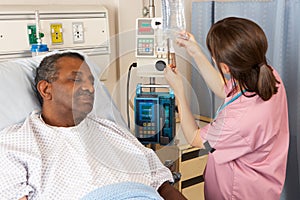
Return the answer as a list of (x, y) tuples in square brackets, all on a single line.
[(151, 47)]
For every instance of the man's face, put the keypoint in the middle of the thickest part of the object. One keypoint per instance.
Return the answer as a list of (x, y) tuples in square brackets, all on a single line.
[(73, 91)]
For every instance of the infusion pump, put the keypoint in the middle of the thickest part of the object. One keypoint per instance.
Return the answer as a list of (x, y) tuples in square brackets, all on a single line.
[(151, 47), (154, 115), (154, 108)]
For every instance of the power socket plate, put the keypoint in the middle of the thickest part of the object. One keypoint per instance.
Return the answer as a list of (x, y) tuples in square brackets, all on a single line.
[(56, 33), (78, 32)]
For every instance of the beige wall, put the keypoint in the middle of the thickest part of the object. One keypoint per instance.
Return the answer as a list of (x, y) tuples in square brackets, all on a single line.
[(111, 5)]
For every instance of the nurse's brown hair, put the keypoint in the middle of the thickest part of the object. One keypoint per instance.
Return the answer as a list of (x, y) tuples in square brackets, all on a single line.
[(242, 45)]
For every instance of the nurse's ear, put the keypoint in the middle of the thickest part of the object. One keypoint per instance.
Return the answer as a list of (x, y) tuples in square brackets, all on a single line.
[(44, 88), (225, 68)]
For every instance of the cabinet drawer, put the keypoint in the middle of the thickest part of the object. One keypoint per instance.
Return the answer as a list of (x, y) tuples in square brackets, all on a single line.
[(193, 167), (194, 192)]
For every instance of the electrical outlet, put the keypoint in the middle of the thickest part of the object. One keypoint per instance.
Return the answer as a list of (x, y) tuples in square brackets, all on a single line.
[(56, 33), (78, 32)]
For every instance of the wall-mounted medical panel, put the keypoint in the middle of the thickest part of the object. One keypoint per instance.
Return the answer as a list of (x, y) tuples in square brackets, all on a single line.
[(61, 27)]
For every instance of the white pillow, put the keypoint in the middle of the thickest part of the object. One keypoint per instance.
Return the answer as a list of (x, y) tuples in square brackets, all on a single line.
[(18, 98)]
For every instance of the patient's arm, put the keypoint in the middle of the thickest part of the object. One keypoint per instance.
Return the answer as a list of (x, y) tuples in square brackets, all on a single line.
[(23, 198), (168, 192)]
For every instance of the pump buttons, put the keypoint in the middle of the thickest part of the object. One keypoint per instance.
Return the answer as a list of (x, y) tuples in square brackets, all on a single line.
[(160, 65)]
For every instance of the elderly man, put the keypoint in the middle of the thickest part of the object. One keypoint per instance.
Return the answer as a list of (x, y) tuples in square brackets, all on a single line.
[(66, 152)]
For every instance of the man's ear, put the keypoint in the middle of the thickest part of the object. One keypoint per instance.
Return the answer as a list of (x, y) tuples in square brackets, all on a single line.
[(44, 88)]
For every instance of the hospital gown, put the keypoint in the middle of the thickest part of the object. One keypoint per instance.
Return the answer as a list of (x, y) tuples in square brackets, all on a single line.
[(46, 162)]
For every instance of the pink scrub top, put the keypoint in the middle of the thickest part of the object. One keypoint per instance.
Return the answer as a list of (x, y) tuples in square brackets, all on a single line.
[(251, 138)]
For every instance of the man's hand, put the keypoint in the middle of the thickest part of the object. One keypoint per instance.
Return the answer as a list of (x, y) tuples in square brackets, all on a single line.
[(168, 192)]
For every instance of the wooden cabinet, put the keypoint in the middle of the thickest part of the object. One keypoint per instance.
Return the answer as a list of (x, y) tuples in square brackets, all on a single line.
[(189, 161), (191, 165)]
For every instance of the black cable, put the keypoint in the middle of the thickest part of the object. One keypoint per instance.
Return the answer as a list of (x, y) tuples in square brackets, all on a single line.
[(128, 79)]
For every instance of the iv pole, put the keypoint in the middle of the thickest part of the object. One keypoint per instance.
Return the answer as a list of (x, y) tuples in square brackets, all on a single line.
[(152, 15)]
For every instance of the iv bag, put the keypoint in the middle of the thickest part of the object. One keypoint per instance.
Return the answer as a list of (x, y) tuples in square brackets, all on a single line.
[(173, 17)]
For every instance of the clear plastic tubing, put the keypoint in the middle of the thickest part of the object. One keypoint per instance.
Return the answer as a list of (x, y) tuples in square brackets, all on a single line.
[(173, 17)]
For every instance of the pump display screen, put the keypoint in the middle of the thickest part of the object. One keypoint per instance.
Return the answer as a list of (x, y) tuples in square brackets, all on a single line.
[(146, 111), (144, 27)]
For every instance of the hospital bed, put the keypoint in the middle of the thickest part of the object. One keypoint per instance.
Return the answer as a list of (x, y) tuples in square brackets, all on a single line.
[(18, 97)]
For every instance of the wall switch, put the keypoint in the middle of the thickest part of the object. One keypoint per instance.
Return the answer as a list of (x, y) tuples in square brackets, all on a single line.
[(56, 33), (78, 32)]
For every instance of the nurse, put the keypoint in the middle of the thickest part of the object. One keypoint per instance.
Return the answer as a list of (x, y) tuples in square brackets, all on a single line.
[(249, 135)]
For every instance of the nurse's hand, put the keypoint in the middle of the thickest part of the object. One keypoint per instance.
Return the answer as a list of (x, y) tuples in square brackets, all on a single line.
[(174, 78), (187, 40)]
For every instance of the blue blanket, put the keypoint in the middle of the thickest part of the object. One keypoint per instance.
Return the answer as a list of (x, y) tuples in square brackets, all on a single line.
[(122, 191)]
